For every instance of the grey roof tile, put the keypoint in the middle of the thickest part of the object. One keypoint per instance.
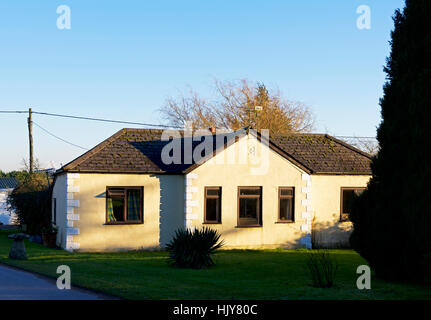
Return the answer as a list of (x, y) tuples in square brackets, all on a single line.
[(8, 183)]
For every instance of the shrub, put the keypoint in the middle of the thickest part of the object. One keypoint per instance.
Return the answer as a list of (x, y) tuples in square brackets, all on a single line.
[(193, 248), (49, 229), (323, 268), (31, 201)]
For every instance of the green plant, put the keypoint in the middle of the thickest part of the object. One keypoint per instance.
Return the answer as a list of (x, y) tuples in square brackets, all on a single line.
[(193, 248), (323, 268), (49, 229), (31, 201)]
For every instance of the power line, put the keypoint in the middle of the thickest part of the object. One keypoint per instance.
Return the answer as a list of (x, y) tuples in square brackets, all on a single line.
[(7, 111), (94, 119), (138, 123), (104, 120), (57, 137)]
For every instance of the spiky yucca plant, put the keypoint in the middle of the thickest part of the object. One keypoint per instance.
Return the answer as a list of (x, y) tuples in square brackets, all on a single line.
[(193, 248)]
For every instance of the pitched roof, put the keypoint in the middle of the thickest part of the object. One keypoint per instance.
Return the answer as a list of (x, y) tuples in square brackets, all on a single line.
[(139, 151), (324, 154), (8, 183)]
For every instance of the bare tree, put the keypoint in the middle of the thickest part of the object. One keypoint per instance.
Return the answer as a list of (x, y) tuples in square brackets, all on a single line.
[(235, 107), (371, 146), (368, 145), (26, 164)]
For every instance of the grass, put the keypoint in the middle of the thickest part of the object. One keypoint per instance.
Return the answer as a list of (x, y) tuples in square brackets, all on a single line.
[(238, 274)]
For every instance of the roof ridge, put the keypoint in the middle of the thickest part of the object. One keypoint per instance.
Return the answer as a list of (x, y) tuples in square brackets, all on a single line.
[(145, 129)]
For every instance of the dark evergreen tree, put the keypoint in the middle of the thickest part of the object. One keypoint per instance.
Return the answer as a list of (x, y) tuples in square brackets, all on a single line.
[(392, 218)]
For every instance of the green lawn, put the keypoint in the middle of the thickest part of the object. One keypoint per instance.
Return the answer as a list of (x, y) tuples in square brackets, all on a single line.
[(238, 274)]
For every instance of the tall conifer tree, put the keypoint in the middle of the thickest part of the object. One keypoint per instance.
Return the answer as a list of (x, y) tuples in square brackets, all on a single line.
[(392, 219)]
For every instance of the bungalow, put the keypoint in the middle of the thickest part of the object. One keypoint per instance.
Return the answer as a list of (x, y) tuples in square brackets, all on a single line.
[(133, 190)]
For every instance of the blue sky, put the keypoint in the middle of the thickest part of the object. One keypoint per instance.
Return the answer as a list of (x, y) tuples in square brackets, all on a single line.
[(122, 59)]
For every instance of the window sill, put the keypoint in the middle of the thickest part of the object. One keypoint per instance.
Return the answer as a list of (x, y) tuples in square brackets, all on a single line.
[(250, 226), (209, 222), (284, 221), (120, 223)]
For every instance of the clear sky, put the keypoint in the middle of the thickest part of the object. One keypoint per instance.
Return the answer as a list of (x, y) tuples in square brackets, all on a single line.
[(121, 59)]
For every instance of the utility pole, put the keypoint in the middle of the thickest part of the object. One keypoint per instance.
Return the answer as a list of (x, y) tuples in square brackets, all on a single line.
[(30, 137)]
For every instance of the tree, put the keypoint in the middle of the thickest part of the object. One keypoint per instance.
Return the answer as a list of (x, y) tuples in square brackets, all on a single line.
[(234, 108), (392, 218), (23, 173), (31, 202), (367, 145), (31, 199), (19, 175)]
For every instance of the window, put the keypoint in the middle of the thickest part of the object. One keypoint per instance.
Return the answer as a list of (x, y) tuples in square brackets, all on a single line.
[(249, 206), (347, 196), (54, 210), (124, 205), (285, 204), (212, 205)]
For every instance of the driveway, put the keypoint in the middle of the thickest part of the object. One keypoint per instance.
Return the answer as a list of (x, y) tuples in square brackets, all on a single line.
[(21, 285)]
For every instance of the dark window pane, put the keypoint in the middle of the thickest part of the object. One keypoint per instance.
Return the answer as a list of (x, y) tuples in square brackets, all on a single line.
[(212, 208), (213, 192), (133, 205), (286, 192), (249, 211), (248, 192), (213, 204), (248, 208), (118, 208), (286, 209), (347, 200), (348, 197)]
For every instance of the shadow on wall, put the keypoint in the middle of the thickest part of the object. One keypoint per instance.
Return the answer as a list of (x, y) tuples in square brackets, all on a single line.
[(295, 243), (171, 207), (331, 235)]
